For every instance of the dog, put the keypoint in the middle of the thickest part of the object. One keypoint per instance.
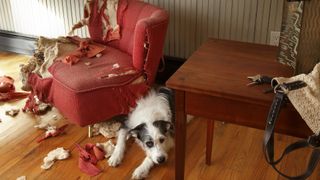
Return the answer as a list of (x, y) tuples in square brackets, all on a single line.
[(151, 124)]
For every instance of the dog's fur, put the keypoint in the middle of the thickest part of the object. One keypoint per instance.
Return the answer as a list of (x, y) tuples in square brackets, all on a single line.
[(151, 125)]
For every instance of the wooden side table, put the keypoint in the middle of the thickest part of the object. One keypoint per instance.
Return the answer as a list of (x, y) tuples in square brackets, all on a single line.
[(212, 84)]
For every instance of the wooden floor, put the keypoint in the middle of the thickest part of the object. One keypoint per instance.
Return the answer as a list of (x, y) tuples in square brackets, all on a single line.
[(237, 150)]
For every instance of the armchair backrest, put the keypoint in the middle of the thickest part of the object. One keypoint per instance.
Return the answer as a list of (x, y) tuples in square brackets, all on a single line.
[(142, 23)]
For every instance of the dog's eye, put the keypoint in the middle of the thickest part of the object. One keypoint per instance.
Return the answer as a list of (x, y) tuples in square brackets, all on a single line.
[(161, 140), (149, 144)]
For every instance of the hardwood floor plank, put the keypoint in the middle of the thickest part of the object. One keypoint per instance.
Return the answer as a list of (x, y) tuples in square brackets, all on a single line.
[(28, 156)]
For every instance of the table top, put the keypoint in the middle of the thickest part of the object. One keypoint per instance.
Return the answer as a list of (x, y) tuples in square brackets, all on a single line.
[(220, 68)]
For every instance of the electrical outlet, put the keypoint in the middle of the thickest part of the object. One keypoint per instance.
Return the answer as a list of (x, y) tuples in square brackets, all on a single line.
[(274, 38)]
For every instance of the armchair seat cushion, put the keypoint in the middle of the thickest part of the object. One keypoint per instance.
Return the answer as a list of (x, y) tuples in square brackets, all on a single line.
[(113, 68), (85, 94)]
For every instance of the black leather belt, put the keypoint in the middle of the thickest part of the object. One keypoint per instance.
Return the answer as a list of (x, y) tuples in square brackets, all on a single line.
[(268, 143)]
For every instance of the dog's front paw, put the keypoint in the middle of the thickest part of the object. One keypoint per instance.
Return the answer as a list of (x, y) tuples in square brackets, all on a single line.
[(115, 159), (140, 173)]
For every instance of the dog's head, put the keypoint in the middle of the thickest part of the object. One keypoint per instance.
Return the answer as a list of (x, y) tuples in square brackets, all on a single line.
[(152, 122), (155, 138)]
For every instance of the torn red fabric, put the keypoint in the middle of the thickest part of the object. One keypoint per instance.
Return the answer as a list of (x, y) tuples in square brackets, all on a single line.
[(7, 89), (13, 95), (87, 48), (53, 133), (40, 88), (99, 27), (6, 84), (89, 157), (71, 59), (35, 107), (110, 72)]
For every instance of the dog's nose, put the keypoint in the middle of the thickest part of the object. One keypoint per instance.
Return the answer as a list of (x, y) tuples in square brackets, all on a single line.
[(161, 159)]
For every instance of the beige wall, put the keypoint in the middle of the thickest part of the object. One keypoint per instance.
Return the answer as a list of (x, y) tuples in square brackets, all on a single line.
[(191, 21)]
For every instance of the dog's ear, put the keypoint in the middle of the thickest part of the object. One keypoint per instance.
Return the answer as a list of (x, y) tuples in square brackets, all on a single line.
[(135, 131), (163, 125), (167, 93)]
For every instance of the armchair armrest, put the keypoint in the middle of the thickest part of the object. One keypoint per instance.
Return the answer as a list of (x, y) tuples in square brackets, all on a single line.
[(150, 31)]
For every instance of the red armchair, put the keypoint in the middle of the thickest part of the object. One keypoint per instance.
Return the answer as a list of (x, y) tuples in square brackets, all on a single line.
[(90, 94)]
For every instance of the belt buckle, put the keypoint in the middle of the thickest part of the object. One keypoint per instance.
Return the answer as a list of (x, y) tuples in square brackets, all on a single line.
[(281, 88)]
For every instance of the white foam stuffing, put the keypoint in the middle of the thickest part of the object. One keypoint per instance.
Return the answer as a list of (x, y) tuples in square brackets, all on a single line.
[(56, 154), (108, 148)]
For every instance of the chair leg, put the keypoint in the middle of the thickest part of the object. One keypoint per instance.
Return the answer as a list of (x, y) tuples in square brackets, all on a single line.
[(210, 129), (90, 131)]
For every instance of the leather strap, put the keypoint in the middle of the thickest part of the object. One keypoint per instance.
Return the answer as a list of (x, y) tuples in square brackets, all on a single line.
[(268, 143)]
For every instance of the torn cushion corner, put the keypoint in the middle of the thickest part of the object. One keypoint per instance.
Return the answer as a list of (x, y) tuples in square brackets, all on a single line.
[(41, 87), (40, 99)]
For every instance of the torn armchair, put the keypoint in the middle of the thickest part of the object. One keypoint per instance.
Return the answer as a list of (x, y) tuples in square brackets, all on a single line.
[(83, 97)]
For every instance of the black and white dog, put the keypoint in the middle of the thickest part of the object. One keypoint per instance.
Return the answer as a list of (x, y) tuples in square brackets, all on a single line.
[(151, 123)]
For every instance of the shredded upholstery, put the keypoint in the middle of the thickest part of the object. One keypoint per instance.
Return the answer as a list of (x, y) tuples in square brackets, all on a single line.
[(52, 131), (47, 51), (56, 154), (86, 48), (12, 111), (107, 129), (102, 13), (108, 148), (7, 89), (34, 105)]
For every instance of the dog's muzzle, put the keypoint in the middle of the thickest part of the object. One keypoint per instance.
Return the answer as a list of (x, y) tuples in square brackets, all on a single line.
[(161, 159)]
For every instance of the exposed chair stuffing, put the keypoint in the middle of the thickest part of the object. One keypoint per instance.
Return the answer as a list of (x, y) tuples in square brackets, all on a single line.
[(56, 154)]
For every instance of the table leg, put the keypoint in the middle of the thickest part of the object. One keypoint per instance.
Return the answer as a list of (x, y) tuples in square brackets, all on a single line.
[(180, 134), (210, 129)]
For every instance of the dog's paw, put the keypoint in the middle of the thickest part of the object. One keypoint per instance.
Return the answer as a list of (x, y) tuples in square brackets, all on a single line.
[(140, 173), (115, 159)]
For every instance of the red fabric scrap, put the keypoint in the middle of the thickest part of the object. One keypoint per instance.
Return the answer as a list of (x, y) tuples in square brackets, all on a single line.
[(71, 59), (110, 72), (6, 84), (41, 87), (87, 48), (89, 157), (32, 106), (99, 22), (7, 89), (57, 132)]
